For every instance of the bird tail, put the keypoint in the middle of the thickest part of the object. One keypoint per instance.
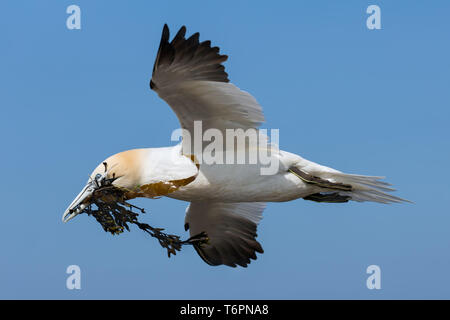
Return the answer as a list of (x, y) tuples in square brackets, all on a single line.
[(342, 187), (366, 188)]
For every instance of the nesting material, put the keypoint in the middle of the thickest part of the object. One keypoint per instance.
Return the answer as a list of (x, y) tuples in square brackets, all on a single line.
[(116, 216)]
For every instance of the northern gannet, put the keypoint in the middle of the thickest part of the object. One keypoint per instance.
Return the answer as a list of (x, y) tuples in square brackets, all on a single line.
[(226, 200)]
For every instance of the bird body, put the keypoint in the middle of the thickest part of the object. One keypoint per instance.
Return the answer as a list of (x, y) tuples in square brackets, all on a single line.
[(226, 198), (156, 172)]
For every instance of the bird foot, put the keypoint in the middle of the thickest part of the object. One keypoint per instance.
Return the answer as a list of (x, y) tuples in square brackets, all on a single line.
[(328, 197), (198, 239)]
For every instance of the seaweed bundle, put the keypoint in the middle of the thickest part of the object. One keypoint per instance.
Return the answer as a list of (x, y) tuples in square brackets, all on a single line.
[(115, 216)]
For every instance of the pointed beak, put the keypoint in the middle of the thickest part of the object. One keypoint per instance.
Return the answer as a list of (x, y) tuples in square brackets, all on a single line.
[(80, 203)]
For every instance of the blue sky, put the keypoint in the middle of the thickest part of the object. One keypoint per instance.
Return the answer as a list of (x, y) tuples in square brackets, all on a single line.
[(362, 101)]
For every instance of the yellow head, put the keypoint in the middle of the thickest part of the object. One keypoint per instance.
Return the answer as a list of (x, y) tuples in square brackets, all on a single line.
[(121, 171)]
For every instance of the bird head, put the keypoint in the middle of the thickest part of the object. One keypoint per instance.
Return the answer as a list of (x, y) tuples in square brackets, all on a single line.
[(119, 172)]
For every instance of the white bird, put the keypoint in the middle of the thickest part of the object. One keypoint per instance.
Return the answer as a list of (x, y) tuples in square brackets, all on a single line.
[(226, 200)]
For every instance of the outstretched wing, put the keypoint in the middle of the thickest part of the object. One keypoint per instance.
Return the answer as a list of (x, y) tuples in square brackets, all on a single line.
[(231, 229), (190, 77)]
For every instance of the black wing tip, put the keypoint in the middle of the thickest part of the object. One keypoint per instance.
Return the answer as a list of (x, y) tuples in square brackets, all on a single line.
[(182, 31), (242, 262), (204, 258), (203, 52), (165, 35)]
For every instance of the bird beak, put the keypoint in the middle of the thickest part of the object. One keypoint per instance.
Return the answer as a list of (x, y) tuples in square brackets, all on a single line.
[(80, 203)]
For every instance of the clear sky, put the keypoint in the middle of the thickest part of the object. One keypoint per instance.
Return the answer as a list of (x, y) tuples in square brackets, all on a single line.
[(362, 101)]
